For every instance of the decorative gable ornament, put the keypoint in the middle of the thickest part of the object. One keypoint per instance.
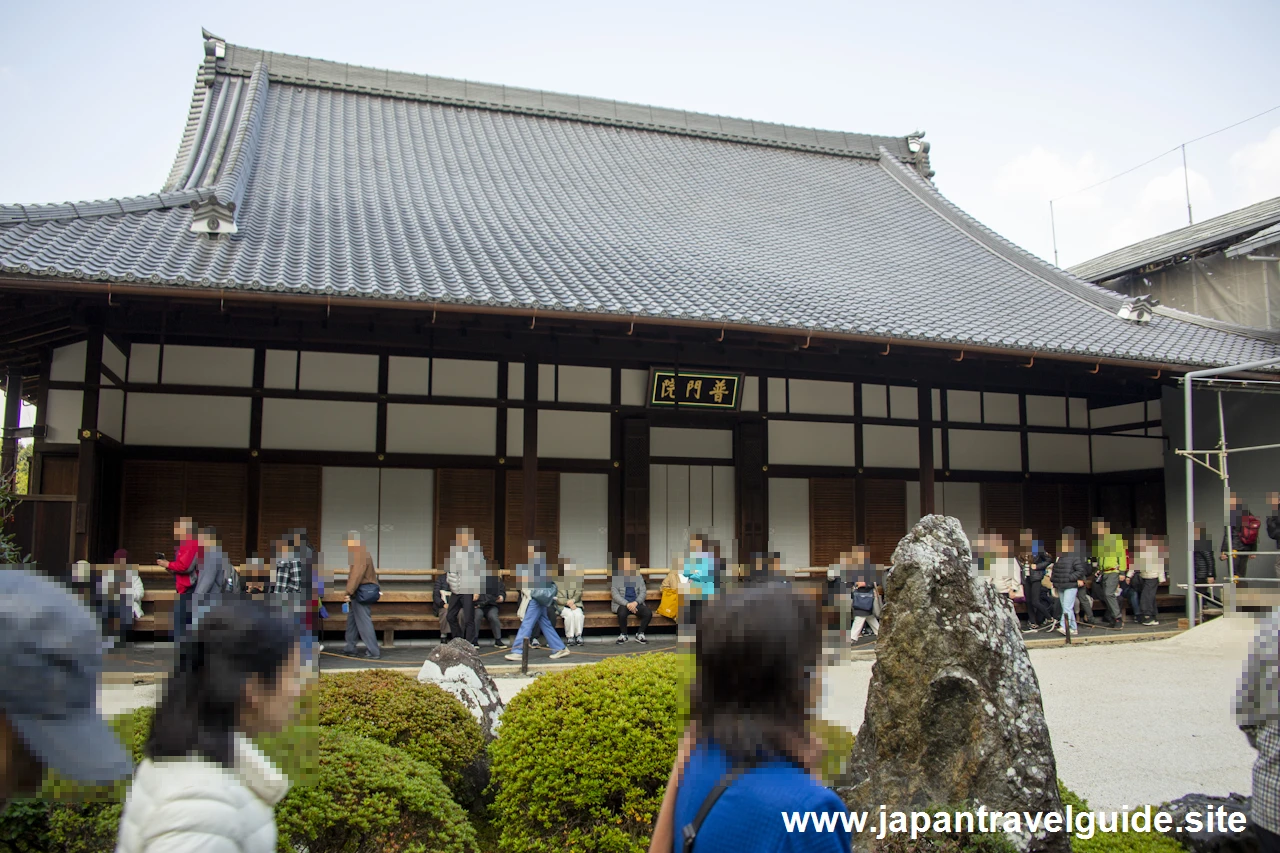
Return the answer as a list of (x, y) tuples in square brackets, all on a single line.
[(212, 217)]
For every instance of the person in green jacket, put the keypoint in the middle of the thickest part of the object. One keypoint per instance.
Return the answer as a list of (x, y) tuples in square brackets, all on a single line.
[(569, 602), (1111, 552)]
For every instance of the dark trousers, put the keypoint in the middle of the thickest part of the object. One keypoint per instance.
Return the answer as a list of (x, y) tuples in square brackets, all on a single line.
[(1268, 841), (1037, 609), (489, 613), (466, 604), (181, 615), (1110, 580), (642, 612), (1147, 597)]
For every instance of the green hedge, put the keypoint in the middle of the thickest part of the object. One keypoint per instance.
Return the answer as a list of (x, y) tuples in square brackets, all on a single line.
[(425, 721), (366, 796), (582, 757), (1116, 842)]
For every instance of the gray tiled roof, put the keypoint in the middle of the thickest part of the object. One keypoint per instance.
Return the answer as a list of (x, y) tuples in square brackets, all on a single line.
[(348, 190), (1177, 245), (1265, 237)]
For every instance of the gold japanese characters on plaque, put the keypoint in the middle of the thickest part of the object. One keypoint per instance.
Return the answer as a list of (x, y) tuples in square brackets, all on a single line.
[(694, 389)]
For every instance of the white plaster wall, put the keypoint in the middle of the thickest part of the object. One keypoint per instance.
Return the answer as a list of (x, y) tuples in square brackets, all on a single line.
[(546, 382), (875, 401), (891, 446), (515, 432), (187, 420), (584, 519), (691, 443), (1058, 453), (62, 417), (789, 520), (750, 394), (280, 370), (904, 402), (337, 371), (689, 498), (1079, 407), (111, 413), (1000, 408), (777, 394), (811, 443), (515, 380), (1046, 411), (113, 359), (406, 518), (584, 384), (1109, 416), (963, 502), (573, 435), (977, 450), (348, 501), (463, 430), (144, 363), (964, 406), (318, 425), (815, 397), (408, 375), (634, 384), (452, 377), (68, 363), (231, 367), (1123, 453)]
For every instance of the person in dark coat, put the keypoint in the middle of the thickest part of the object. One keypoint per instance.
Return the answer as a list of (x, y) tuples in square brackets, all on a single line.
[(1273, 524), (1069, 572), (1035, 563), (1234, 536), (495, 592), (1202, 556)]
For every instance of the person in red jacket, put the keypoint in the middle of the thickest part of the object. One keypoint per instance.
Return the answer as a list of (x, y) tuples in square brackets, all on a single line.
[(185, 567)]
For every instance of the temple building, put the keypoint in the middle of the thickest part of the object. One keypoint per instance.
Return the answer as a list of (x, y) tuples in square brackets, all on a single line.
[(402, 304)]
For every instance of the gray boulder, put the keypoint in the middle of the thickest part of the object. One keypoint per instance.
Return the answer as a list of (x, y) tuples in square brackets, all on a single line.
[(953, 711), (457, 668), (1219, 840)]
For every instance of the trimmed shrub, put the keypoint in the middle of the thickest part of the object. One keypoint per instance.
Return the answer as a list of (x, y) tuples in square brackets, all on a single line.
[(582, 758), (364, 797), (1115, 842), (428, 723)]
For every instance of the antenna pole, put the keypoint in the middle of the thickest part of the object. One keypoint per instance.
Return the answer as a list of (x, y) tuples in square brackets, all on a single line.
[(1186, 183), (1053, 229)]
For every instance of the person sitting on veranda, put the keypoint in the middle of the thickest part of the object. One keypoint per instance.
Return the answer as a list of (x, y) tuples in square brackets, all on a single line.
[(466, 571), (864, 598), (569, 602), (495, 592), (627, 595), (757, 687)]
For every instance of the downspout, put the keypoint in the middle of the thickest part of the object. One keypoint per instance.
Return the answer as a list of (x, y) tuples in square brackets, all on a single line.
[(1189, 469)]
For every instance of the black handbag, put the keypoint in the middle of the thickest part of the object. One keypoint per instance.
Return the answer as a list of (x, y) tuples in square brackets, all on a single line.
[(864, 599), (367, 593)]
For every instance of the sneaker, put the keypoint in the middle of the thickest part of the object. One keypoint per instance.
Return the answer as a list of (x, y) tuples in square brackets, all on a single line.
[(622, 638), (515, 656), (537, 644), (1150, 622), (319, 647), (1058, 629), (577, 641), (640, 638), (563, 653), (498, 644)]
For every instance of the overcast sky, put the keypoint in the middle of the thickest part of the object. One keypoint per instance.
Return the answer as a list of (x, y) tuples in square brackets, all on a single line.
[(1021, 101)]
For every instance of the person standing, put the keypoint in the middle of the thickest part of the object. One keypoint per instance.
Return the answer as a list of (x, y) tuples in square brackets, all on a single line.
[(440, 605), (204, 785), (1035, 562), (362, 591), (1149, 566), (1202, 556), (627, 594), (1068, 576), (1111, 552), (466, 571), (1240, 536), (536, 577), (212, 580), (1273, 524), (50, 663), (184, 567), (569, 602), (1257, 711), (863, 596)]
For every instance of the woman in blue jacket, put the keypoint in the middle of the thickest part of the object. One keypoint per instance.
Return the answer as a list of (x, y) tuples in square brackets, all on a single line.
[(757, 688)]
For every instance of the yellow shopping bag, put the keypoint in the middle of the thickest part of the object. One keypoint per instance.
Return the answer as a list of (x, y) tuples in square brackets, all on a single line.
[(670, 604)]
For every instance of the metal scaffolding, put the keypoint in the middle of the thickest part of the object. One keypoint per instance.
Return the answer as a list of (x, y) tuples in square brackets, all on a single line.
[(1222, 451)]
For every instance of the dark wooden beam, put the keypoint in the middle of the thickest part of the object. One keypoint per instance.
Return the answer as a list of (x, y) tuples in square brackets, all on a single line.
[(12, 417), (87, 487), (529, 460), (924, 403)]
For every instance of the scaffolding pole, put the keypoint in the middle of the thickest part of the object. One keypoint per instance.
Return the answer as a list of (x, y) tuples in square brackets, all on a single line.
[(1187, 380)]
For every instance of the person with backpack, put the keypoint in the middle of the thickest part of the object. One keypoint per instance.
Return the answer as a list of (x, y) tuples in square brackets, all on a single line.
[(185, 566), (749, 754), (535, 575), (1240, 536)]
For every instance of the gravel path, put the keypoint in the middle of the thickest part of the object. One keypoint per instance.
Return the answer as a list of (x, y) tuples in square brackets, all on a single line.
[(1131, 723)]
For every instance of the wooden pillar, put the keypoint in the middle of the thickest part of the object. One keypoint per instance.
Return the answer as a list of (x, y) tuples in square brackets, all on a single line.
[(635, 489), (529, 459), (12, 417), (500, 474), (87, 486), (253, 489), (924, 406), (617, 519), (753, 500), (34, 483)]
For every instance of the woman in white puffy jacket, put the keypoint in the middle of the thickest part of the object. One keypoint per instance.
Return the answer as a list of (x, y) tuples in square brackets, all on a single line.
[(204, 787)]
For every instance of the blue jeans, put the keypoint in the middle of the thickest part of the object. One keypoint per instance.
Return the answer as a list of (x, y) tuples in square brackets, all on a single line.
[(536, 615), (181, 616), (1068, 597)]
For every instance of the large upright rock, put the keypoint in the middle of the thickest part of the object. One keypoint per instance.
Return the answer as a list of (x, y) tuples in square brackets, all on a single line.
[(953, 712), (456, 667)]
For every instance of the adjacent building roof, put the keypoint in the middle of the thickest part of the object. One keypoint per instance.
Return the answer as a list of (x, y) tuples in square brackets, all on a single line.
[(322, 178), (1212, 235), (1265, 237)]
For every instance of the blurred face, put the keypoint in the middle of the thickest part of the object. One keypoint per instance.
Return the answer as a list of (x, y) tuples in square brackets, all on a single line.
[(695, 544), (352, 544), (627, 566), (205, 540), (1235, 501), (181, 529), (1100, 528), (463, 538), (1067, 543), (269, 706), (1025, 540)]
